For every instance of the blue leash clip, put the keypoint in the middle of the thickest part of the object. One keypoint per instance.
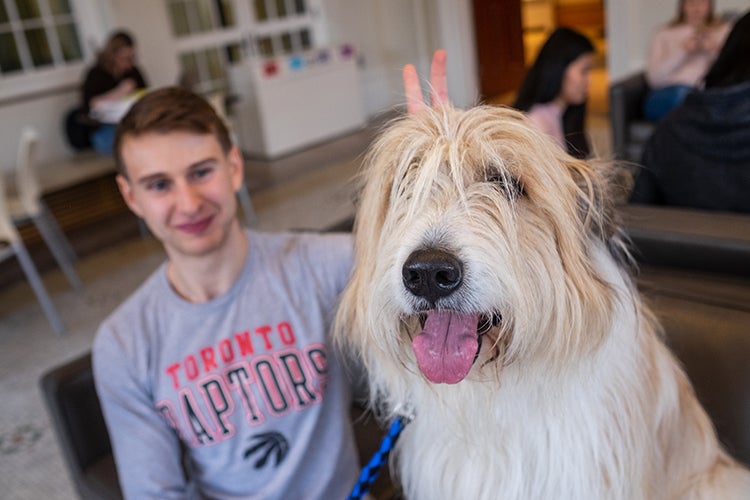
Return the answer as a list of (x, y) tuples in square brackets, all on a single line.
[(370, 471)]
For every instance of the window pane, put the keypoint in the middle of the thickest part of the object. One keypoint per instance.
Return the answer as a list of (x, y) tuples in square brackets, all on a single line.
[(280, 8), (286, 42), (304, 37), (41, 54), (3, 13), (299, 6), (233, 53), (191, 13), (9, 59), (261, 12), (178, 15), (190, 74), (59, 6), (71, 48), (226, 14), (265, 46), (205, 19), (215, 68), (28, 9)]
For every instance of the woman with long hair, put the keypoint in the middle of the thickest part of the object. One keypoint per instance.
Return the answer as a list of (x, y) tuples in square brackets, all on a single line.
[(680, 54), (555, 89), (114, 76)]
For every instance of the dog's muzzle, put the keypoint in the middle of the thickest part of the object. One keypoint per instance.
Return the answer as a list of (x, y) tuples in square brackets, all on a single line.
[(449, 343)]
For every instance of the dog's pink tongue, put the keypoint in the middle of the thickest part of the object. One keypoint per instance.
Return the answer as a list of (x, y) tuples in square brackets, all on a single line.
[(445, 350)]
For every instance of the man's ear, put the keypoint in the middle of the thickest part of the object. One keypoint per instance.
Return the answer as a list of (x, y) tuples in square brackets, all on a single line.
[(237, 165), (126, 190)]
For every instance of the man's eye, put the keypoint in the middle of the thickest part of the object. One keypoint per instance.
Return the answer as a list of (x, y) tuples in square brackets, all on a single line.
[(160, 185), (202, 172)]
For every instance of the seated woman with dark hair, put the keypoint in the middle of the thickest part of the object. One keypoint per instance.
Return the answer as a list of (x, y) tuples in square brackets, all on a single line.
[(556, 87), (699, 155)]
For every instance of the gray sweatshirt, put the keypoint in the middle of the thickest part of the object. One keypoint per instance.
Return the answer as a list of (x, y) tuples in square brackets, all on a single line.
[(247, 383)]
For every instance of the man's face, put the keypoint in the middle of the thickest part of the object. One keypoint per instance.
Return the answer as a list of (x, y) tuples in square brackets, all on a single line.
[(183, 186)]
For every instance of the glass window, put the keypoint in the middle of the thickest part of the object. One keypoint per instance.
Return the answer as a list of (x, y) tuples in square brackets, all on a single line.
[(305, 41), (190, 72), (36, 40), (287, 26), (266, 10), (69, 44), (261, 11), (215, 68), (10, 62), (203, 70), (59, 7), (178, 16), (204, 16), (28, 9), (199, 16), (37, 34), (280, 8), (286, 43), (233, 53), (225, 12)]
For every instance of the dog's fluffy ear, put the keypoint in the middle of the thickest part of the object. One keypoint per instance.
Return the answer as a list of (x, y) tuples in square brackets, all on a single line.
[(596, 197)]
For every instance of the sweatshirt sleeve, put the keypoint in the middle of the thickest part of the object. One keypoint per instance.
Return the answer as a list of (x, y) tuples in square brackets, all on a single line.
[(146, 449)]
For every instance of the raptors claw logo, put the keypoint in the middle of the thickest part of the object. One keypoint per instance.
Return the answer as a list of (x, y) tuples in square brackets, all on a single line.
[(265, 445)]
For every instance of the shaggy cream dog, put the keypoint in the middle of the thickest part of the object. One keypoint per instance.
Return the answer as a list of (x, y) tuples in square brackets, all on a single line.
[(490, 302)]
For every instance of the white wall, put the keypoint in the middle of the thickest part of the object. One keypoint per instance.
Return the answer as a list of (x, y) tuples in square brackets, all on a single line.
[(631, 23), (391, 33)]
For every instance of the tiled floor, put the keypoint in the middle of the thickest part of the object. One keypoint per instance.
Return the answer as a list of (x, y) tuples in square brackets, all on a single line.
[(311, 189)]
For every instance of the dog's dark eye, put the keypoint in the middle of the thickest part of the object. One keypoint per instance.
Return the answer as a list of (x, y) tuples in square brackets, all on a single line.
[(512, 186)]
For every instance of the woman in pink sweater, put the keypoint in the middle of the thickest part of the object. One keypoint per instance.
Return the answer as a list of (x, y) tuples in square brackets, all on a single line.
[(555, 89), (680, 54)]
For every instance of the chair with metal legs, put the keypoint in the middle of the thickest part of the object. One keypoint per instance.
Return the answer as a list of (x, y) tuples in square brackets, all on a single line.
[(28, 205), (11, 245)]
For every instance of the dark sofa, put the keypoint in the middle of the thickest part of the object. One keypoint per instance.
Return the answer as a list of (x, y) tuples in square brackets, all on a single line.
[(694, 271), (630, 129)]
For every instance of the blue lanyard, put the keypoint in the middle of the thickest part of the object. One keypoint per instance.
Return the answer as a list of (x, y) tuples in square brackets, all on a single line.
[(379, 459)]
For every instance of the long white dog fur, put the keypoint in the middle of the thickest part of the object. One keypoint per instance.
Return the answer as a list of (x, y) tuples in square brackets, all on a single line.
[(473, 221)]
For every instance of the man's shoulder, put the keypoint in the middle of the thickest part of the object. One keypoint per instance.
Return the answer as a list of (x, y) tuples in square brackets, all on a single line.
[(142, 299)]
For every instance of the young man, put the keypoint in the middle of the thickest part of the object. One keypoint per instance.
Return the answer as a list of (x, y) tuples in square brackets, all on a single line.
[(223, 351)]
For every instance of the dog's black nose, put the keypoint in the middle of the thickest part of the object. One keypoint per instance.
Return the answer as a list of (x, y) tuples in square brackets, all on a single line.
[(432, 274)]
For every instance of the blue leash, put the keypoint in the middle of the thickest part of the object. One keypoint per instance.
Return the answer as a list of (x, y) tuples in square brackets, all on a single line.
[(370, 471)]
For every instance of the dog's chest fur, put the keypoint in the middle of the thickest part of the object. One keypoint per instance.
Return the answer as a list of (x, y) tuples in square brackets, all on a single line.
[(533, 435)]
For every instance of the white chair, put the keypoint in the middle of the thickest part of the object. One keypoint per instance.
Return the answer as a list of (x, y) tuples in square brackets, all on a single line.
[(26, 204), (11, 245)]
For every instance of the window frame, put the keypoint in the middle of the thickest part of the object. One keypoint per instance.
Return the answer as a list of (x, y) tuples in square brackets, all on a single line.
[(246, 32), (60, 74)]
